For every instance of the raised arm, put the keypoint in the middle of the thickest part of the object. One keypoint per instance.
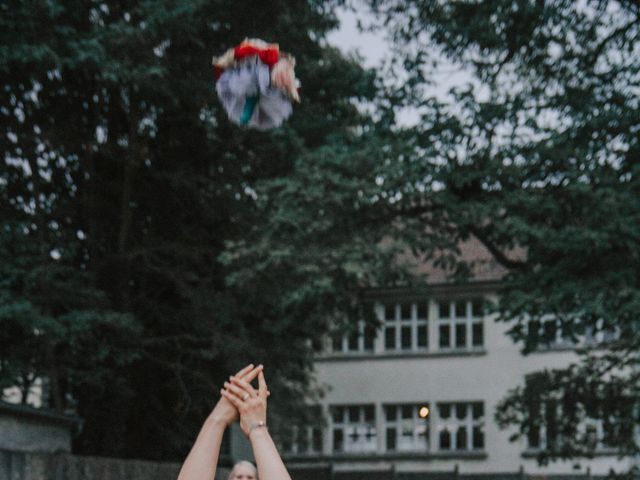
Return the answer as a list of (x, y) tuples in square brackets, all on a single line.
[(202, 460), (252, 406)]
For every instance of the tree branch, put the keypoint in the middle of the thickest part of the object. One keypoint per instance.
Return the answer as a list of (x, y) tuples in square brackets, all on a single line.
[(498, 254)]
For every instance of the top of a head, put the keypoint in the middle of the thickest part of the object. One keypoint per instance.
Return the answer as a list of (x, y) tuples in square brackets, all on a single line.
[(241, 466)]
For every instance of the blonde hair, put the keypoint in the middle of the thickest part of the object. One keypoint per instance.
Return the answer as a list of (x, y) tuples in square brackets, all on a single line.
[(243, 463)]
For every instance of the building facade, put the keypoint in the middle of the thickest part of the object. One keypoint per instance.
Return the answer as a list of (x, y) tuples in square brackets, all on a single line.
[(419, 393)]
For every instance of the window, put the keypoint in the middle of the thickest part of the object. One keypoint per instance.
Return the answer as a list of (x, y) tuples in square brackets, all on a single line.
[(305, 441), (354, 428), (461, 426), (407, 427), (601, 333), (460, 324), (405, 326), (360, 339), (546, 432), (549, 332), (543, 433)]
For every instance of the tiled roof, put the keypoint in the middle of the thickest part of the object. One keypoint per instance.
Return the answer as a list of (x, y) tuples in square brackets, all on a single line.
[(482, 265)]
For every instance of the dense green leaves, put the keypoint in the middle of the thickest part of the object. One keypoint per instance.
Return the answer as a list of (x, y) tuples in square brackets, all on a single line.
[(538, 158), (120, 184), (145, 233)]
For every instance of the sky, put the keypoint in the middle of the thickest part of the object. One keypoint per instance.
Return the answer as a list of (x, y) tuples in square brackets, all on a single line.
[(373, 47)]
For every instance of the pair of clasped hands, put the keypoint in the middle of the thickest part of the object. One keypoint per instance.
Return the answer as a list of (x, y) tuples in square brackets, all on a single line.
[(240, 399)]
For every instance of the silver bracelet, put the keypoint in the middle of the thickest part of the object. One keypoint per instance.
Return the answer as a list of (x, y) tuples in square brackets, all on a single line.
[(260, 424)]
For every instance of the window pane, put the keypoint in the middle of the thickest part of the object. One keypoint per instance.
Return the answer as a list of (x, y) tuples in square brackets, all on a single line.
[(406, 337), (338, 414), (461, 309), (423, 338), (551, 423), (567, 331), (391, 439), (369, 414), (443, 309), (549, 331), (354, 414), (369, 337), (405, 311), (422, 310), (390, 338), (478, 410), (353, 341), (461, 335), (461, 411), (478, 335), (302, 439), (336, 342), (534, 437), (461, 438), (445, 440), (407, 411), (445, 410), (338, 440), (390, 411), (533, 331), (316, 439), (389, 312), (286, 442), (477, 309), (444, 337), (478, 437)]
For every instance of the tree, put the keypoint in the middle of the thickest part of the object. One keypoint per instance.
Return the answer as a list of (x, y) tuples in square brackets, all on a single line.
[(539, 153), (536, 156), (121, 183)]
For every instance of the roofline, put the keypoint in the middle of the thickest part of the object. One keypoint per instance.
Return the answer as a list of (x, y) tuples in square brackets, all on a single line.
[(445, 289), (29, 411)]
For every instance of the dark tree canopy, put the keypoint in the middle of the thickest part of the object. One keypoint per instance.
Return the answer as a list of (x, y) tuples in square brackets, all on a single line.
[(121, 182), (538, 157), (148, 247)]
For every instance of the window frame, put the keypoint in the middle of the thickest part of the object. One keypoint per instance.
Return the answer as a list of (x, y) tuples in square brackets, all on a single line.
[(399, 323), (361, 338), (399, 423), (348, 428), (453, 321), (452, 423)]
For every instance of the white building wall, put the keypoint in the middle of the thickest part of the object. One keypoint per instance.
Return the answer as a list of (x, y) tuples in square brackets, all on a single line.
[(382, 378)]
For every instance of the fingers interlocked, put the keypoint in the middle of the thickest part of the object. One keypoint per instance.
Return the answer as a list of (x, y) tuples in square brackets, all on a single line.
[(239, 390), (251, 403)]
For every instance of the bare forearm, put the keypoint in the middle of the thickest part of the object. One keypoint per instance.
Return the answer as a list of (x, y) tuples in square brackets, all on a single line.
[(202, 460), (270, 465)]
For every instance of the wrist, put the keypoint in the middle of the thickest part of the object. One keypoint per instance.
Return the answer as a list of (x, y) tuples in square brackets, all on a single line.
[(258, 434), (260, 425), (216, 421)]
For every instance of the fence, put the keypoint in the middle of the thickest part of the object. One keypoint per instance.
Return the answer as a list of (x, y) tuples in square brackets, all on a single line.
[(327, 472), (64, 466)]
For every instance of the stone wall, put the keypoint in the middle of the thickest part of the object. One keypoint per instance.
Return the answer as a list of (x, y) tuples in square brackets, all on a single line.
[(33, 435), (28, 429), (64, 466)]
